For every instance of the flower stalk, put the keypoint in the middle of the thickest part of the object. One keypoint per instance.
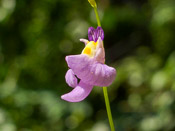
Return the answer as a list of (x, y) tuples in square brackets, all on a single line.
[(105, 91), (97, 16)]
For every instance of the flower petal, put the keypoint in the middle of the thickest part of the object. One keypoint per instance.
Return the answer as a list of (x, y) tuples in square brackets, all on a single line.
[(90, 71), (78, 61), (79, 93), (100, 53), (100, 32), (92, 34), (102, 75), (71, 80), (84, 41)]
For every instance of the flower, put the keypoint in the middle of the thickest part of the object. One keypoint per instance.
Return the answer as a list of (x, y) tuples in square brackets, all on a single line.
[(88, 67)]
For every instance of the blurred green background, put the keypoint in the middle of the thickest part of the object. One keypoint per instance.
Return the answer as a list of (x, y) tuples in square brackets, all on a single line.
[(35, 37)]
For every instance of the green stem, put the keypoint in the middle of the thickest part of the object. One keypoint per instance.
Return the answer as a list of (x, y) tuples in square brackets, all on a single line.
[(97, 16), (105, 91)]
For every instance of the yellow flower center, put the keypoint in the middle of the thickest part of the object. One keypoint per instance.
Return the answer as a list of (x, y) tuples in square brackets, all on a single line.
[(87, 51), (90, 49)]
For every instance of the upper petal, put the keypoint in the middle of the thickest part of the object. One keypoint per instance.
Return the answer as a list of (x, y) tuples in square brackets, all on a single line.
[(71, 80), (92, 35), (100, 32), (90, 71), (79, 93)]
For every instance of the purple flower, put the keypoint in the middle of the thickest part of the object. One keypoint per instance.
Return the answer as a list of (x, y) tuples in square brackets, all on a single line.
[(88, 68)]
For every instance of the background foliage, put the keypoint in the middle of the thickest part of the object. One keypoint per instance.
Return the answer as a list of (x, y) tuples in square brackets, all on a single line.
[(35, 37)]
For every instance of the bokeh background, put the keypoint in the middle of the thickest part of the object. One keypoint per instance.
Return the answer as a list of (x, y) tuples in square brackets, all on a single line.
[(35, 37)]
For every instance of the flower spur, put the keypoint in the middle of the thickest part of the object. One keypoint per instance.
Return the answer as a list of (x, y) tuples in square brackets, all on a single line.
[(88, 67)]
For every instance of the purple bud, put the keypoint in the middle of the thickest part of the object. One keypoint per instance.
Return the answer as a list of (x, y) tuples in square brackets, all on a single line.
[(94, 34)]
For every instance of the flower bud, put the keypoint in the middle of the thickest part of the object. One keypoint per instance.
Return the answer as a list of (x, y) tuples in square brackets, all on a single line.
[(93, 3)]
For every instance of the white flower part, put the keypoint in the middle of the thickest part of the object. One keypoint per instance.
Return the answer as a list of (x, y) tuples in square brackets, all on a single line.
[(85, 41), (100, 52)]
